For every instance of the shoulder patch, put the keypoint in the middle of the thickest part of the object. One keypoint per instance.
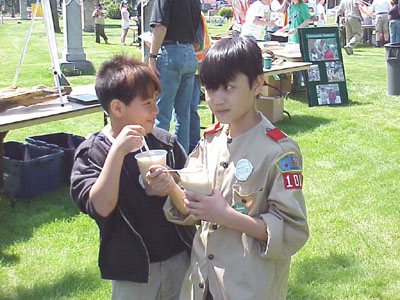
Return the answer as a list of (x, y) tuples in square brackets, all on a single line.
[(288, 162), (213, 128), (289, 165), (275, 134)]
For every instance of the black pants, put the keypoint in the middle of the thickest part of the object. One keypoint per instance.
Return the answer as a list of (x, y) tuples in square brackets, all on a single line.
[(99, 28)]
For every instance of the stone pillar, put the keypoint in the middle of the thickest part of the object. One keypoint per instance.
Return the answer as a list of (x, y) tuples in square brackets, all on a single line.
[(88, 21), (73, 60), (22, 8)]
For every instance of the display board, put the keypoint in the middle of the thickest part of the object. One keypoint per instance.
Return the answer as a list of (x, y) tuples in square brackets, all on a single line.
[(325, 80)]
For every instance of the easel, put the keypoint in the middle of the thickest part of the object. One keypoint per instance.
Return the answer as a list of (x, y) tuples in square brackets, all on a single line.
[(59, 78)]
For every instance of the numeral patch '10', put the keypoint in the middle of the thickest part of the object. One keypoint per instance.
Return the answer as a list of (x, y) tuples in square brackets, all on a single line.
[(292, 180)]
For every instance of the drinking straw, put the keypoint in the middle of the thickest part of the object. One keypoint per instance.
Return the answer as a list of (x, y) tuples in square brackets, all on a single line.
[(145, 145)]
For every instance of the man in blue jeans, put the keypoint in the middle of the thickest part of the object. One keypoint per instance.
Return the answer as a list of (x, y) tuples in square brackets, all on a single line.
[(172, 58)]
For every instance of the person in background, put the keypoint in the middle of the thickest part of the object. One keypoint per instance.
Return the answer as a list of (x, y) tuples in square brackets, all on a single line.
[(367, 15), (239, 8), (321, 14), (350, 10), (298, 17), (139, 20), (276, 15), (201, 46), (381, 9), (144, 255), (172, 57), (255, 218), (124, 21), (98, 15), (394, 23), (312, 8), (257, 17)]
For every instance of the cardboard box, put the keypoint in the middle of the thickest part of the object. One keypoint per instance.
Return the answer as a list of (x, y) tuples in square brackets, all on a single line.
[(271, 107), (284, 85)]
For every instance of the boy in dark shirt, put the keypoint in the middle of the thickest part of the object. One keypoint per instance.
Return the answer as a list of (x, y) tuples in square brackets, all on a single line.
[(140, 251)]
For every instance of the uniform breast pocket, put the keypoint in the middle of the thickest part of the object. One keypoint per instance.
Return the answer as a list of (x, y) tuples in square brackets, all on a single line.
[(247, 199)]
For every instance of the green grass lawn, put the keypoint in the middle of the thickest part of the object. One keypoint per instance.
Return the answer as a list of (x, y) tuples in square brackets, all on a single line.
[(48, 249)]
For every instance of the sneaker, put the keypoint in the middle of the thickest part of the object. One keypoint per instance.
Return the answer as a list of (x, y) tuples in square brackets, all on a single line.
[(348, 50), (123, 44)]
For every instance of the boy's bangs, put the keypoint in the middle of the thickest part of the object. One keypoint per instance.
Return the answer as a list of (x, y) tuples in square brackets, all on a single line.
[(216, 71), (229, 57), (143, 84)]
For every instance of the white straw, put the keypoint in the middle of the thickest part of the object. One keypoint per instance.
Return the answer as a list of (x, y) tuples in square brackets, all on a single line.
[(145, 145)]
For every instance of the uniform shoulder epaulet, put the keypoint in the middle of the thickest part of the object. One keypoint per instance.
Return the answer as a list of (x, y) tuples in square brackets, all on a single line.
[(275, 134), (213, 128)]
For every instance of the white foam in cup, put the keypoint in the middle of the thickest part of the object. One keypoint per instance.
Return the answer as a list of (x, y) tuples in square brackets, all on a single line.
[(148, 158), (196, 180)]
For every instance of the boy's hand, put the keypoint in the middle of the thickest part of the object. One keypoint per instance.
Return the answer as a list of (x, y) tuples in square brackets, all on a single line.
[(160, 180), (212, 208), (130, 137)]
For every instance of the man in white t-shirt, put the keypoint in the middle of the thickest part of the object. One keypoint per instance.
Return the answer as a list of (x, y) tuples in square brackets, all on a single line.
[(381, 9), (321, 13), (312, 8), (257, 17)]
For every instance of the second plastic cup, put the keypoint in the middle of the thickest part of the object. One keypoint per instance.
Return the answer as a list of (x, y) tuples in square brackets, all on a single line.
[(196, 180)]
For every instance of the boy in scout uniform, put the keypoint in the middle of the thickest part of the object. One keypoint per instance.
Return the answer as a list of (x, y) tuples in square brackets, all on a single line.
[(255, 218)]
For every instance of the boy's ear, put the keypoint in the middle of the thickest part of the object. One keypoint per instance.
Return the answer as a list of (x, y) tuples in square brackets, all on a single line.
[(258, 84), (116, 107)]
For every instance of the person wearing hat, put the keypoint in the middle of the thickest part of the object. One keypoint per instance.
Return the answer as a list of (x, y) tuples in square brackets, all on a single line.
[(124, 21), (98, 16)]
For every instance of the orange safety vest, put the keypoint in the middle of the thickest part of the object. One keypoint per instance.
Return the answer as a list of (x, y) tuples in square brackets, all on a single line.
[(202, 49)]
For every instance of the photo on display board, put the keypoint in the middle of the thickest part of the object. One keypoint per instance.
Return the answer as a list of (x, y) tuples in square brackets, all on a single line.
[(322, 49), (334, 71), (328, 94), (313, 73)]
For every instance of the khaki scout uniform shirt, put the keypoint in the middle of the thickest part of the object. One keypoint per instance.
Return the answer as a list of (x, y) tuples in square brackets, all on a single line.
[(238, 266)]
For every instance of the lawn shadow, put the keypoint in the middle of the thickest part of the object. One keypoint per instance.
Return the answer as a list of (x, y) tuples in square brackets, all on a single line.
[(300, 96), (335, 269), (18, 222), (69, 284), (301, 123)]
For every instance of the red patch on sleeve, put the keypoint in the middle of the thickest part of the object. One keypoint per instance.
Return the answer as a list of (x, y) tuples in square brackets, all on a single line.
[(212, 128), (292, 180), (276, 134)]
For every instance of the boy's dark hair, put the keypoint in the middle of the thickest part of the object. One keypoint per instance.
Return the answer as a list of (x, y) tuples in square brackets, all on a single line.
[(124, 78), (227, 58)]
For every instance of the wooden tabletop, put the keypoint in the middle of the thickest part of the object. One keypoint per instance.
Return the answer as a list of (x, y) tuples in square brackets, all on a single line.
[(287, 67), (48, 111)]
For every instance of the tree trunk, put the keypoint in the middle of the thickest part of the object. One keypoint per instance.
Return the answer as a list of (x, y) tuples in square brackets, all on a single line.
[(54, 14)]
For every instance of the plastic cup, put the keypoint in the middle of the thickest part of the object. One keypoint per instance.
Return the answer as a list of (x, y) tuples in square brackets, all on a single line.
[(267, 59), (148, 158), (196, 180)]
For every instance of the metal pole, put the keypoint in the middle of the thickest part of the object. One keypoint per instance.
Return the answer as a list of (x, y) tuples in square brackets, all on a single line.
[(14, 83)]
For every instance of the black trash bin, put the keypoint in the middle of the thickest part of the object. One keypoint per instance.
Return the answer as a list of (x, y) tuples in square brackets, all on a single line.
[(393, 68), (66, 142), (30, 170)]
